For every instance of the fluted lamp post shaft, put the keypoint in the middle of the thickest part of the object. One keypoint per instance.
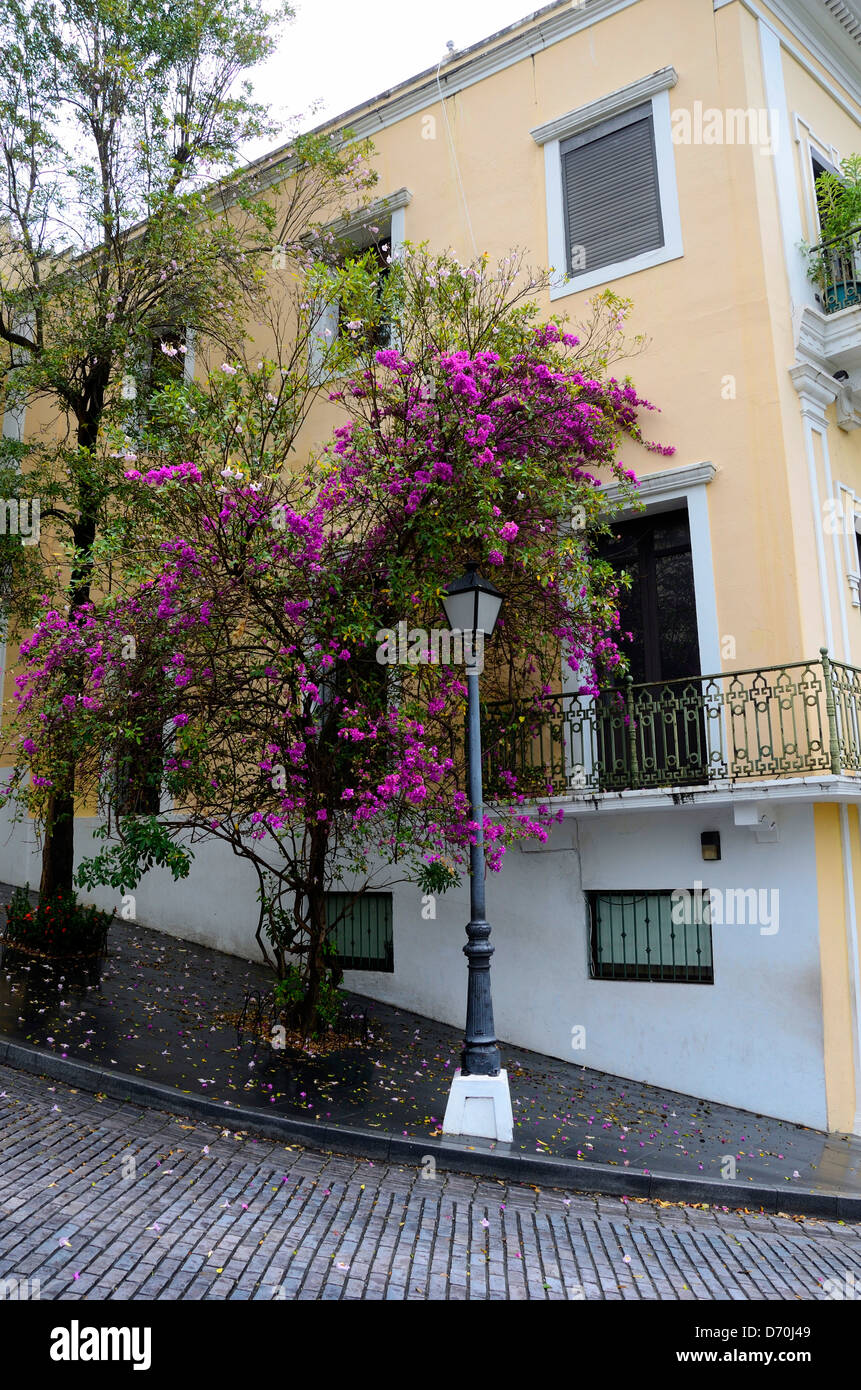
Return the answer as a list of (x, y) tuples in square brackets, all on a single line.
[(479, 1103), (480, 1055)]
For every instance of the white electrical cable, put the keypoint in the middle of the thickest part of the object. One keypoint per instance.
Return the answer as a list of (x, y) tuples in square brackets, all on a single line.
[(449, 54)]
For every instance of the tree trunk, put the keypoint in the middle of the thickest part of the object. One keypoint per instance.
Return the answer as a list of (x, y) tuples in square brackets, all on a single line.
[(317, 931), (309, 1015), (58, 854)]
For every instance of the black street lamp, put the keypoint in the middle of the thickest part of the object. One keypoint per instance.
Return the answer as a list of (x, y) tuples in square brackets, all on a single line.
[(472, 607)]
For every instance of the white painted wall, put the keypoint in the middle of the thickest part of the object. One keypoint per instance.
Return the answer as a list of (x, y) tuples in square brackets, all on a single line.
[(215, 905), (753, 1039)]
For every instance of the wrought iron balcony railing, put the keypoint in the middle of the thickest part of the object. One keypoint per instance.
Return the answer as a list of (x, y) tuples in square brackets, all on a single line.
[(837, 264), (780, 721)]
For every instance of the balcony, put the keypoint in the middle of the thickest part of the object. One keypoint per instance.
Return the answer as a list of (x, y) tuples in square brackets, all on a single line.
[(738, 727), (838, 263), (828, 337)]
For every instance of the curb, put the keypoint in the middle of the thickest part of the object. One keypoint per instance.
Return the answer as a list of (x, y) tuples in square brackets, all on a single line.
[(448, 1154)]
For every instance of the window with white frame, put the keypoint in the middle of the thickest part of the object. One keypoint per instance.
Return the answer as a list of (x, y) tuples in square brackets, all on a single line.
[(377, 231), (655, 936), (332, 322), (816, 157), (610, 195), (612, 203)]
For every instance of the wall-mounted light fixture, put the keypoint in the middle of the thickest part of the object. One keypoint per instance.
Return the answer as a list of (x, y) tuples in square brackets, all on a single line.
[(710, 841)]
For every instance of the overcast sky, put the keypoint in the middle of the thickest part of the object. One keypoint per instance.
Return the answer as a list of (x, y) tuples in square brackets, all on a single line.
[(342, 52)]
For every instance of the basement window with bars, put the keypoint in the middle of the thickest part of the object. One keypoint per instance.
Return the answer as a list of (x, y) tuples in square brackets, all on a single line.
[(638, 936), (611, 192), (361, 928)]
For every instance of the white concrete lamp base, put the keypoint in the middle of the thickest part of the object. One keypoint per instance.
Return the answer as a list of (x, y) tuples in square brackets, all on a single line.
[(480, 1106)]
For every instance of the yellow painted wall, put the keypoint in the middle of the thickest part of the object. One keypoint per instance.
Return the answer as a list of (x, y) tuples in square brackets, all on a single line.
[(721, 310)]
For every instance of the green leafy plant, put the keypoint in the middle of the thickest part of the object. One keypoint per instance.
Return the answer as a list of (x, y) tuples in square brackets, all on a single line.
[(144, 845), (56, 926), (839, 199), (834, 262), (123, 129), (281, 733), (290, 995)]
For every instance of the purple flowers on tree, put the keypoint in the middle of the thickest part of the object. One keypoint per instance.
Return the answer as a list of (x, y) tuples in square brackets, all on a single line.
[(243, 669)]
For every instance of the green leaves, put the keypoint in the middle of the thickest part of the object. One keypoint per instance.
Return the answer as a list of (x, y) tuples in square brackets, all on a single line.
[(839, 198), (145, 844), (437, 877)]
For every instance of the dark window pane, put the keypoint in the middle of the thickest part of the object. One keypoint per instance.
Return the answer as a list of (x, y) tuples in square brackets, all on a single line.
[(678, 646), (138, 782), (659, 609), (659, 613)]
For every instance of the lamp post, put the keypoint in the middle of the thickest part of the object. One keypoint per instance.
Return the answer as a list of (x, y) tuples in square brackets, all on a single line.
[(479, 1102)]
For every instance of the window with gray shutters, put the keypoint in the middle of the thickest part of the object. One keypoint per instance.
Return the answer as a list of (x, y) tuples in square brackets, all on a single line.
[(610, 190)]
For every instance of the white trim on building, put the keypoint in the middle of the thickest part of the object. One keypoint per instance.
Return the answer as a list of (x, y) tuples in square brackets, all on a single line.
[(654, 90), (688, 484), (836, 52)]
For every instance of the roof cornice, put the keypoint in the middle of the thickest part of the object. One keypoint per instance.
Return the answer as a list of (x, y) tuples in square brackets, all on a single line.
[(826, 39), (543, 29)]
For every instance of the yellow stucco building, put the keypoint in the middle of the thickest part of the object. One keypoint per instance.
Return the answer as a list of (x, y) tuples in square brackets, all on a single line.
[(666, 148)]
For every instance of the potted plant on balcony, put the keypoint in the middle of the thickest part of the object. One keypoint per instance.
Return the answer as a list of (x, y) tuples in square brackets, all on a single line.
[(835, 264)]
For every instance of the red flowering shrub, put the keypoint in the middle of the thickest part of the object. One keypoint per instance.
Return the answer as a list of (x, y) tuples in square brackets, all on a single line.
[(61, 926)]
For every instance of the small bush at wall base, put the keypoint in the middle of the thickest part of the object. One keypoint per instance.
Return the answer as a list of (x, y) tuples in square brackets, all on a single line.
[(58, 926), (290, 997)]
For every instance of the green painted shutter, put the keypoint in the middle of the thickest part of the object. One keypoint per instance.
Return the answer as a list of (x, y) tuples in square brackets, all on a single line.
[(634, 937), (362, 930)]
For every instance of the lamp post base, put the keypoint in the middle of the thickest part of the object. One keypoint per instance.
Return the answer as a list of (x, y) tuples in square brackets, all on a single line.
[(480, 1106)]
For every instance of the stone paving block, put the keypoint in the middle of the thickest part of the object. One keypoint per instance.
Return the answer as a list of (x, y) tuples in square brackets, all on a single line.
[(399, 1239)]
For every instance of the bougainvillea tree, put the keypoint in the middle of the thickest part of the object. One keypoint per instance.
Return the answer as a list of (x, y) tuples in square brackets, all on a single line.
[(250, 666)]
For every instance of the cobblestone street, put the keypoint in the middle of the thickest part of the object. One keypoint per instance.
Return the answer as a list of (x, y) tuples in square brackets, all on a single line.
[(100, 1200)]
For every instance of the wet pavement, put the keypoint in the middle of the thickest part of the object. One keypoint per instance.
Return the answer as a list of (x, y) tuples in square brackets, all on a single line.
[(103, 1200), (155, 1009)]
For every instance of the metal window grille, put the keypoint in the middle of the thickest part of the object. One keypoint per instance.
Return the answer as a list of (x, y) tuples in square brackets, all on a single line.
[(361, 928), (639, 936)]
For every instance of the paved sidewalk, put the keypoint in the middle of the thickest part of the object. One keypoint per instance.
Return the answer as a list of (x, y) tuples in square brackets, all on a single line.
[(100, 1200), (156, 1014)]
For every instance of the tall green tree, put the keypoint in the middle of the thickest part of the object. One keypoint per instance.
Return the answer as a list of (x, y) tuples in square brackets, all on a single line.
[(128, 234)]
